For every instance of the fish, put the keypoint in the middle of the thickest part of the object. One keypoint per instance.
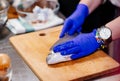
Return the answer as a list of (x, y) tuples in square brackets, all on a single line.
[(53, 57)]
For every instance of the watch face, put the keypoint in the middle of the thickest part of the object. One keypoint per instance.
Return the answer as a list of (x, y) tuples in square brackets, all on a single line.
[(105, 33)]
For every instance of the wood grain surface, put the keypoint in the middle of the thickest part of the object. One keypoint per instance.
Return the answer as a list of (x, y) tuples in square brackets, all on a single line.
[(34, 48)]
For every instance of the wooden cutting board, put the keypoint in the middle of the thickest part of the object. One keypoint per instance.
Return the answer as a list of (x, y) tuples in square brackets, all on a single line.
[(34, 48)]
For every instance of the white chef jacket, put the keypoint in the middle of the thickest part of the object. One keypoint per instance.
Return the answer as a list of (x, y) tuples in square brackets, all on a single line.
[(114, 2)]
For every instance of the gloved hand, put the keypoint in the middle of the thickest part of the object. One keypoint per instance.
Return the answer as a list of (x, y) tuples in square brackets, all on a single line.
[(74, 22), (80, 46)]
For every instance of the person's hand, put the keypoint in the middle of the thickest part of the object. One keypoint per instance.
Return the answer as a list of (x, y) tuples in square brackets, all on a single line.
[(80, 46), (73, 23)]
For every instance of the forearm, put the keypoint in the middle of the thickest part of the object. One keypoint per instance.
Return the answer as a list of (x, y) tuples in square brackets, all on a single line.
[(114, 25), (92, 4)]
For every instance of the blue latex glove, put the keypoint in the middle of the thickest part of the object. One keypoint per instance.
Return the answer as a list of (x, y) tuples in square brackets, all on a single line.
[(80, 46), (74, 23)]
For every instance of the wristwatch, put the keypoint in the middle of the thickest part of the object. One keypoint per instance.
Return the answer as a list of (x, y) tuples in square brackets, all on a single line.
[(103, 36)]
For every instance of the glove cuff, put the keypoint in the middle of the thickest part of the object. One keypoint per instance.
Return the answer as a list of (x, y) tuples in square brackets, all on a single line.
[(83, 8)]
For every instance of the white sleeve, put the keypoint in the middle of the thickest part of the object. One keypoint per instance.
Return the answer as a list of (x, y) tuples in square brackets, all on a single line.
[(115, 2)]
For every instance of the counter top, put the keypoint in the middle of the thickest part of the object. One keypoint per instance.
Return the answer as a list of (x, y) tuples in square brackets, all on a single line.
[(21, 72)]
